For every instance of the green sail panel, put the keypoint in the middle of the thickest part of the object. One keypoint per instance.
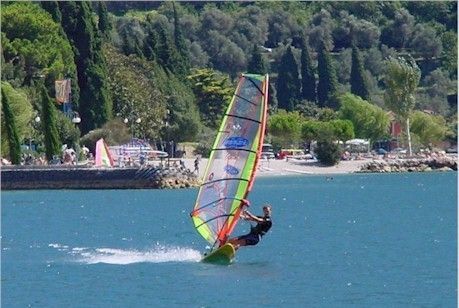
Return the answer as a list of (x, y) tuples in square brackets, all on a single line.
[(233, 160)]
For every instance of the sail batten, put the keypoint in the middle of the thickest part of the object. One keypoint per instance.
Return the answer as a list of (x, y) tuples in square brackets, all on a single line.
[(233, 159)]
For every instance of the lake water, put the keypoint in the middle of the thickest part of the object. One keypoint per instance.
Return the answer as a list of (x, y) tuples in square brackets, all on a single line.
[(352, 240)]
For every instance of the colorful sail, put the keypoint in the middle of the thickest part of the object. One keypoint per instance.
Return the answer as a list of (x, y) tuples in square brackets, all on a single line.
[(233, 160), (103, 155)]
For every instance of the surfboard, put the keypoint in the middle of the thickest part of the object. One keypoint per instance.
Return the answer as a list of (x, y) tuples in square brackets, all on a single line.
[(223, 255)]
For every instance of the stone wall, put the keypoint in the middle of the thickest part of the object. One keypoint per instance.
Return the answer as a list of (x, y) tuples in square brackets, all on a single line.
[(71, 177)]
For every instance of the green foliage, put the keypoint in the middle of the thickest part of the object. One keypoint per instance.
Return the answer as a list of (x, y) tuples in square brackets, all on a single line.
[(286, 126), (213, 93), (11, 131), (308, 78), (34, 43), (68, 133), (327, 87), (398, 31), (310, 130), (328, 152), (257, 64), (449, 59), (49, 122), (134, 84), (426, 41), (52, 8), (401, 79), (288, 82), (104, 23), (369, 121), (180, 44), (358, 81), (114, 132), (343, 130), (430, 129), (22, 111), (95, 102)]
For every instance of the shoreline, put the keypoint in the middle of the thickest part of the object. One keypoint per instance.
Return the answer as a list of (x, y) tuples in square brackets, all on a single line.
[(156, 177)]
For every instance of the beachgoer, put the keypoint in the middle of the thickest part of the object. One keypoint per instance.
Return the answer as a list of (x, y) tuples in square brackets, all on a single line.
[(264, 223), (196, 165)]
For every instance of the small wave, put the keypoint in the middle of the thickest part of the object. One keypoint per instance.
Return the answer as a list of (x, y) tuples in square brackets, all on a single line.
[(157, 254)]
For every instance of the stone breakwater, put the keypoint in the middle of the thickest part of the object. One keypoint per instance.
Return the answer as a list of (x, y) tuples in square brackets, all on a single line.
[(411, 165), (79, 177)]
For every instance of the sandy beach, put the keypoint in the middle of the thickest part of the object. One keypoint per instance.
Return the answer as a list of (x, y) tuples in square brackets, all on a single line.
[(275, 167)]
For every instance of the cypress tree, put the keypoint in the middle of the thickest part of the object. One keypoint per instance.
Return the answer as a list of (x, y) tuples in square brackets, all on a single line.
[(180, 44), (288, 82), (327, 87), (49, 117), (53, 8), (308, 78), (358, 81), (11, 131), (104, 22), (167, 54), (256, 65), (95, 101)]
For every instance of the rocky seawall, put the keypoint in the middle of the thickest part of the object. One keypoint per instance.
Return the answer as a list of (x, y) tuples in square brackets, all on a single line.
[(411, 165), (79, 177)]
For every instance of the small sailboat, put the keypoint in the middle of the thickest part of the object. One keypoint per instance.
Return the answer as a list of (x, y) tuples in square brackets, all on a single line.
[(231, 167), (103, 156)]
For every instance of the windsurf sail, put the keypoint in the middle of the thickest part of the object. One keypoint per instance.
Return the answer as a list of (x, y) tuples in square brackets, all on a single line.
[(103, 155), (233, 161)]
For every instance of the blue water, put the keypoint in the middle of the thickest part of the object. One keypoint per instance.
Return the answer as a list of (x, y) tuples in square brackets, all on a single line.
[(354, 240)]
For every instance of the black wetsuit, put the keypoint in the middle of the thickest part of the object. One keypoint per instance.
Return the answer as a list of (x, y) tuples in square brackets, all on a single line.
[(258, 231)]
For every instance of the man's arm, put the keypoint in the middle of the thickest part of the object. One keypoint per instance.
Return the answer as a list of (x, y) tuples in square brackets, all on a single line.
[(249, 216)]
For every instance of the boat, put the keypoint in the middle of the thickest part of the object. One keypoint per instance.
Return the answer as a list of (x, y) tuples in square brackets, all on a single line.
[(230, 171), (103, 155)]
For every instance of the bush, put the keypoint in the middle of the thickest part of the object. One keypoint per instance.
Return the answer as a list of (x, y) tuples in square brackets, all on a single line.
[(328, 152)]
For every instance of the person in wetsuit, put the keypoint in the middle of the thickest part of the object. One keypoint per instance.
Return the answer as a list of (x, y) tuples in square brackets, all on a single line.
[(264, 223)]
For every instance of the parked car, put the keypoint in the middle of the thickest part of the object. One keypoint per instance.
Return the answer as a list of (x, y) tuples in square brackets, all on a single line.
[(267, 151)]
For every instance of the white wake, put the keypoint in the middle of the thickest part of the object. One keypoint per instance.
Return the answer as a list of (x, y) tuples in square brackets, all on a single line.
[(157, 254)]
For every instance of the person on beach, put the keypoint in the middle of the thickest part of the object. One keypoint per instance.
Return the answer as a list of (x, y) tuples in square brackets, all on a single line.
[(262, 227), (196, 165)]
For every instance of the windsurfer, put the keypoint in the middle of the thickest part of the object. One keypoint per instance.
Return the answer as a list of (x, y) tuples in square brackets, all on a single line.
[(256, 233)]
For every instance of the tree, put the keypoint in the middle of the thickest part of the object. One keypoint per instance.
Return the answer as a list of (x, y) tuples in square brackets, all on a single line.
[(52, 142), (369, 121), (21, 108), (33, 40), (53, 8), (308, 78), (327, 87), (95, 101), (213, 93), (104, 24), (286, 127), (180, 44), (288, 82), (11, 131), (430, 129), (343, 130), (401, 79), (358, 81), (257, 64)]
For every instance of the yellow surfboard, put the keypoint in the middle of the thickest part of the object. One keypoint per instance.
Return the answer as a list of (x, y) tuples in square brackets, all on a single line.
[(223, 255)]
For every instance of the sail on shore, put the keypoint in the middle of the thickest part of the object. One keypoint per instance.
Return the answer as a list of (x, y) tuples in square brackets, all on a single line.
[(103, 155), (233, 160)]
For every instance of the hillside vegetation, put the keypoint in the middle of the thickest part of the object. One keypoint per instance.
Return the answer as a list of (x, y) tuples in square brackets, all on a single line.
[(168, 69)]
